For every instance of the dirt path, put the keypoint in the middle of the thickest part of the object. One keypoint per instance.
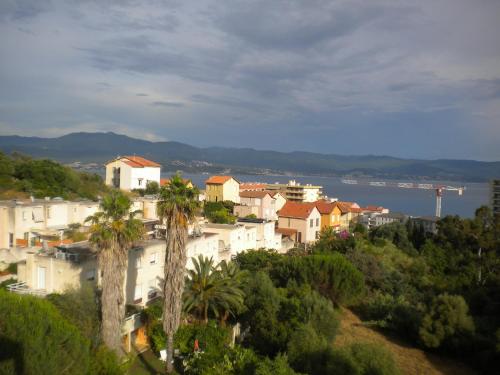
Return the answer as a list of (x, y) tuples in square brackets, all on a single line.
[(411, 361)]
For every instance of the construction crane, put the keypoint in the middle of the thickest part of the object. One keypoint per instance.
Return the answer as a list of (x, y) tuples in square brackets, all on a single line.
[(439, 189)]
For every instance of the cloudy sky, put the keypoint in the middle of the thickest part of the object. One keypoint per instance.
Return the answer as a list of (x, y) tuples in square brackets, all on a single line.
[(386, 77)]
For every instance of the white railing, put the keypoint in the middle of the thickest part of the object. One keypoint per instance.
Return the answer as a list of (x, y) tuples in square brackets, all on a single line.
[(23, 288)]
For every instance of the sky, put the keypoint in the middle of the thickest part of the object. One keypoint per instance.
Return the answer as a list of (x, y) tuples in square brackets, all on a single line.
[(413, 79)]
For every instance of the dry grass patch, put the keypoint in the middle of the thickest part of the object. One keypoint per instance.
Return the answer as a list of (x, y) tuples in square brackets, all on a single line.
[(410, 360)]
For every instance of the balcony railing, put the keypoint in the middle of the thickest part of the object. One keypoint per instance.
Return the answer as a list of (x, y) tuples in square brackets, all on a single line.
[(23, 288)]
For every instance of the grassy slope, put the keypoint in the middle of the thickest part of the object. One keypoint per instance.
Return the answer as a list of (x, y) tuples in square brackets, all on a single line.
[(411, 361)]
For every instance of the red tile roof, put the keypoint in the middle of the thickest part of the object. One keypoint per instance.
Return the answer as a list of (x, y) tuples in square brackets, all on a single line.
[(218, 180), (373, 208), (296, 210), (324, 207), (139, 162), (348, 207), (252, 186), (253, 194)]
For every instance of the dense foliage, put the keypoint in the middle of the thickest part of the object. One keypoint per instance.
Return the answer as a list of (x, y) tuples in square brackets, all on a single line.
[(437, 290), (219, 212), (21, 176), (36, 339)]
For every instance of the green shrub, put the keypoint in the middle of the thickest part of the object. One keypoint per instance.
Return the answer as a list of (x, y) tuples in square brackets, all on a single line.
[(370, 359), (447, 320), (36, 339)]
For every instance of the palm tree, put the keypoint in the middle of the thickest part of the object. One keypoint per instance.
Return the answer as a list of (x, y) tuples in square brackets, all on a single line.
[(112, 232), (209, 289), (176, 207)]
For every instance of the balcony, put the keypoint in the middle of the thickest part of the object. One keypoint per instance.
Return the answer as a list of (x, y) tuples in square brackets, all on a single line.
[(23, 288)]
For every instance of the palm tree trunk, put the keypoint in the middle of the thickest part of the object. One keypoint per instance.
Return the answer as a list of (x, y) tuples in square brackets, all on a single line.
[(112, 264), (205, 313), (169, 365), (173, 285)]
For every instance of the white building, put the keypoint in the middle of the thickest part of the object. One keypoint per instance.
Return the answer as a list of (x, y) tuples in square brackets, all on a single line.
[(267, 238), (296, 192), (132, 172), (29, 222), (233, 238)]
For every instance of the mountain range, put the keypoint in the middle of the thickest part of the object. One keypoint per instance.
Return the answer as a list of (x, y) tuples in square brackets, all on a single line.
[(101, 147)]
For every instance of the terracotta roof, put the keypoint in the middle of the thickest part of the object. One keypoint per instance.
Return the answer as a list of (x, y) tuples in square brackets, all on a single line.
[(345, 207), (252, 186), (286, 231), (272, 193), (324, 207), (296, 210), (139, 162), (373, 208), (253, 194), (218, 180)]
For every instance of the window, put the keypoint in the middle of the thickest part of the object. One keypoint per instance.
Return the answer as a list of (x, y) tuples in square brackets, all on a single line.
[(138, 261), (138, 293), (317, 222), (90, 275), (288, 222), (153, 258), (140, 181), (152, 289), (311, 223), (24, 215), (48, 212)]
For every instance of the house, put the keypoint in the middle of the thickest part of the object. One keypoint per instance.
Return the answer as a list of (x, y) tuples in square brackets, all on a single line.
[(330, 214), (132, 172), (349, 212), (258, 203), (186, 181), (429, 223), (303, 217), (32, 221), (233, 238), (279, 198), (222, 188), (390, 218), (267, 237), (252, 186)]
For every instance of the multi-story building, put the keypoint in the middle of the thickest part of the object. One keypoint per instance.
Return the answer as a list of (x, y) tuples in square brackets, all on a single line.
[(495, 196), (429, 223), (349, 212), (132, 172), (303, 218), (267, 237), (391, 217), (296, 192), (259, 203), (330, 214), (222, 188), (30, 222)]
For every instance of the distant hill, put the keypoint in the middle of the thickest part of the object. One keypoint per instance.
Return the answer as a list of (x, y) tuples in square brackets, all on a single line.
[(100, 147)]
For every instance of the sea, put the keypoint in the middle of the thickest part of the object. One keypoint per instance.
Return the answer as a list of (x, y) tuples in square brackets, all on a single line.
[(415, 202)]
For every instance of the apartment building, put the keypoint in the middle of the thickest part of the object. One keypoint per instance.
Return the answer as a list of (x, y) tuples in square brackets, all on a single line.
[(303, 218), (132, 172), (495, 196), (30, 222), (391, 217), (296, 192)]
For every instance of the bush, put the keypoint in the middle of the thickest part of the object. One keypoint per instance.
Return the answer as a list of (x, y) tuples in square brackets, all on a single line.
[(333, 276), (447, 320), (36, 339), (258, 260), (370, 359)]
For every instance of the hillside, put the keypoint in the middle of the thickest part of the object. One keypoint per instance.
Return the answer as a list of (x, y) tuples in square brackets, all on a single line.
[(100, 147)]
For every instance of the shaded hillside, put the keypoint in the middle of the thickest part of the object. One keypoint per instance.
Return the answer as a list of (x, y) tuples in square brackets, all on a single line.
[(100, 147)]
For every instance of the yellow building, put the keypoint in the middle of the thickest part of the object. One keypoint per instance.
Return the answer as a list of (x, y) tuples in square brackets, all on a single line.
[(330, 214), (222, 188)]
